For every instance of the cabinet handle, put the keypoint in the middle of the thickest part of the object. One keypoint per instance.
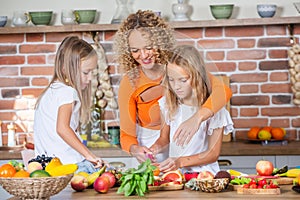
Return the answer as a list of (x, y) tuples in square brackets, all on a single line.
[(224, 162)]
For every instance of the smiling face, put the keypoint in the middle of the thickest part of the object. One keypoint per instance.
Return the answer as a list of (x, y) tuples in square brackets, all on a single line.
[(141, 49), (87, 66), (180, 82)]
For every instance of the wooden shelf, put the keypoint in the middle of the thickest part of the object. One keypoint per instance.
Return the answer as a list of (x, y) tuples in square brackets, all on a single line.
[(176, 25)]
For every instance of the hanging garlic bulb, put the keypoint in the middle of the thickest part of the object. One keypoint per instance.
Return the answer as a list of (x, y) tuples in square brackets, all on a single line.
[(103, 91), (294, 63)]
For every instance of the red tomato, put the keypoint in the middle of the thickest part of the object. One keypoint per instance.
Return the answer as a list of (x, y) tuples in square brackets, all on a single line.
[(253, 181), (7, 170), (262, 182)]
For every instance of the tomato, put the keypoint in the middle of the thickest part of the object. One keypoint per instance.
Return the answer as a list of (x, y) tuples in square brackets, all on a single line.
[(262, 182), (253, 181), (7, 170)]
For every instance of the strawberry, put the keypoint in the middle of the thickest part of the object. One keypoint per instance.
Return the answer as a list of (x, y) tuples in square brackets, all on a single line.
[(262, 182), (253, 186), (246, 185)]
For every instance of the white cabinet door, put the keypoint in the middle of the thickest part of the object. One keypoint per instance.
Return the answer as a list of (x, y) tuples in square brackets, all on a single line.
[(245, 164), (290, 161)]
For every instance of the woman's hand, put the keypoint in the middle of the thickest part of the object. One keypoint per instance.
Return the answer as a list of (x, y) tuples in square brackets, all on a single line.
[(97, 162), (141, 153), (187, 130), (169, 164)]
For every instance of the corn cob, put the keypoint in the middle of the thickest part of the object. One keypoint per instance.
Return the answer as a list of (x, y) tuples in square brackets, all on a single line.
[(291, 173)]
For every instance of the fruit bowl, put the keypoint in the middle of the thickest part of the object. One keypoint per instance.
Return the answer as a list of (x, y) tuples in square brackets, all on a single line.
[(35, 188), (212, 185)]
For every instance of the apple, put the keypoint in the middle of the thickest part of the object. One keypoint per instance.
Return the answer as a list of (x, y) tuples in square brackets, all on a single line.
[(79, 182), (264, 168), (101, 184), (32, 166), (205, 175), (111, 177)]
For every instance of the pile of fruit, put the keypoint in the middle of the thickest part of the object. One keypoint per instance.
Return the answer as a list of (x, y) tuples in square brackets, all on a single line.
[(41, 166), (207, 176), (296, 184), (266, 133)]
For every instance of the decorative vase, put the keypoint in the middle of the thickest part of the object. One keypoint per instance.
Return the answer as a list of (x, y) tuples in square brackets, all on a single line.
[(180, 11), (121, 13)]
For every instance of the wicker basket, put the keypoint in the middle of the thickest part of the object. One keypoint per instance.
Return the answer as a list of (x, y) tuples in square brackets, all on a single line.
[(213, 185), (35, 188)]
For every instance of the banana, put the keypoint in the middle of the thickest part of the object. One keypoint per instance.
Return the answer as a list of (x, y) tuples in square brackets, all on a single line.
[(92, 177), (291, 173)]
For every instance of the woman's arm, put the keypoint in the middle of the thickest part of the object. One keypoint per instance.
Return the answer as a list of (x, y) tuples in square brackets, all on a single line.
[(68, 135), (203, 158), (218, 98)]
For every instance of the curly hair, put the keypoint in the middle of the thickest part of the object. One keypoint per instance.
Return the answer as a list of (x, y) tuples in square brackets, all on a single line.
[(156, 31)]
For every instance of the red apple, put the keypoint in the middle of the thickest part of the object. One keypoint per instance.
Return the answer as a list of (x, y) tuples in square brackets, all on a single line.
[(101, 184), (264, 168), (205, 175), (111, 177), (79, 183)]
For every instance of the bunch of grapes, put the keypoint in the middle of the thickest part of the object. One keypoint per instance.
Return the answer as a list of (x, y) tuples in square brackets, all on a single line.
[(43, 159)]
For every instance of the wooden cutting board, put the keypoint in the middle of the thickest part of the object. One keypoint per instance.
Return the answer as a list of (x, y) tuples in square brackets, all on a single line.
[(283, 180), (275, 191), (169, 187)]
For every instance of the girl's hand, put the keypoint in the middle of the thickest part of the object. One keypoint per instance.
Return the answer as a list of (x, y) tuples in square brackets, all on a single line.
[(169, 164), (97, 162), (141, 153)]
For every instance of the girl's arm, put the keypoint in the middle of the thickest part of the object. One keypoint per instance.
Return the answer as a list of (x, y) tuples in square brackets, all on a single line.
[(203, 158), (68, 135), (164, 139), (218, 98)]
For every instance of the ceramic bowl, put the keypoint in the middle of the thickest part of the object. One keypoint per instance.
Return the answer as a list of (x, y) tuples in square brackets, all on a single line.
[(85, 16), (3, 20), (41, 17), (266, 10), (221, 11)]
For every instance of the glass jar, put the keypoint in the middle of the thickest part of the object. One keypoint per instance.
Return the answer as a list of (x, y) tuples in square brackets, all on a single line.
[(122, 12)]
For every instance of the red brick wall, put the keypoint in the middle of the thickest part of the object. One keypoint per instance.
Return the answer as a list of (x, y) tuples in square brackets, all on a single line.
[(254, 57)]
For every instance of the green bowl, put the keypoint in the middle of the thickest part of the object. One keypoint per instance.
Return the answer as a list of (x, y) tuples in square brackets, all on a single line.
[(85, 16), (221, 11), (40, 17)]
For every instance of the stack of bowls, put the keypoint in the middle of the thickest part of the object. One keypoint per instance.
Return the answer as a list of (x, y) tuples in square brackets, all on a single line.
[(40, 17), (221, 11), (266, 10)]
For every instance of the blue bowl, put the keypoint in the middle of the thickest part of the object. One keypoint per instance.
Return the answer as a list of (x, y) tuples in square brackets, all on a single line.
[(266, 10), (3, 20)]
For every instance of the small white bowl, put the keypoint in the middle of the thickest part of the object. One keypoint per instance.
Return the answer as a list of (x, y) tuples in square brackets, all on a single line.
[(266, 10), (3, 20)]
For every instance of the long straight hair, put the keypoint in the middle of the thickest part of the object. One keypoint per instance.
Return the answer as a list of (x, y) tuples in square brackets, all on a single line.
[(188, 58), (71, 52)]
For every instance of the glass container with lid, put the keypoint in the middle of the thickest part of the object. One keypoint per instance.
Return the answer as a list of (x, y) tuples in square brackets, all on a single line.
[(121, 13)]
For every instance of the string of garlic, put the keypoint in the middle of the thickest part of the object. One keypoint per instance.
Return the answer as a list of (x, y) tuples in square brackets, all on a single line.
[(294, 63)]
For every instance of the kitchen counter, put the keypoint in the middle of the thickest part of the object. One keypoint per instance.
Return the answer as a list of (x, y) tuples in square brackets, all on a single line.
[(69, 193), (240, 148)]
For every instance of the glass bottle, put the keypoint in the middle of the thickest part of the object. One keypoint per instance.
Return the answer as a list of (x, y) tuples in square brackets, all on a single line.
[(11, 135), (121, 13)]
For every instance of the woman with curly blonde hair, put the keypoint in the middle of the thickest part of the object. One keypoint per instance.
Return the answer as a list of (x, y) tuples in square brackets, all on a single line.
[(143, 43)]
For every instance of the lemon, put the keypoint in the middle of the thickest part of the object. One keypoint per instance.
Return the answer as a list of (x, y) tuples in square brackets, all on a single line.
[(264, 135)]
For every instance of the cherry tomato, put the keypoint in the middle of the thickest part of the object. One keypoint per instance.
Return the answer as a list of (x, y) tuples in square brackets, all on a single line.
[(262, 182), (7, 170)]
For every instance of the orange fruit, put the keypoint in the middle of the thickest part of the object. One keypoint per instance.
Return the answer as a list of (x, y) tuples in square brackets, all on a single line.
[(7, 170), (277, 133), (267, 128), (22, 173), (172, 176), (156, 172), (253, 132)]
